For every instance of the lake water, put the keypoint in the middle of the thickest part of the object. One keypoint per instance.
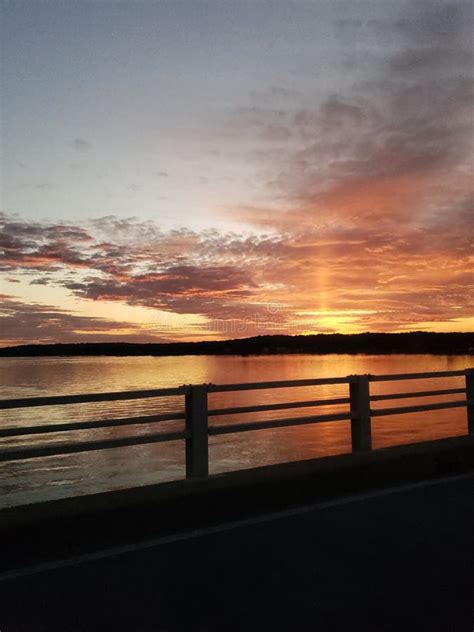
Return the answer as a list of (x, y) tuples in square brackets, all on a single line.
[(88, 472)]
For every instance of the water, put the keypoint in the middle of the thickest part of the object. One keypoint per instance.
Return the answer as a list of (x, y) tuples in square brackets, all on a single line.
[(61, 476)]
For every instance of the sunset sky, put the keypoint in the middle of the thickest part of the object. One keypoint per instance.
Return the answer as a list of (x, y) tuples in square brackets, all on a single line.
[(198, 170)]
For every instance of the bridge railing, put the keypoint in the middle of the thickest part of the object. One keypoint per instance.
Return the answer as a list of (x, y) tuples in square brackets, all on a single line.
[(196, 429)]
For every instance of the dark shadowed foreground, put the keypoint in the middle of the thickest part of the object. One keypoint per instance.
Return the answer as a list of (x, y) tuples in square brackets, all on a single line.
[(394, 561)]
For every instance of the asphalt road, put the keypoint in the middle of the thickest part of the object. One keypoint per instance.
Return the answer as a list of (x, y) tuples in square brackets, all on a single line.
[(402, 561)]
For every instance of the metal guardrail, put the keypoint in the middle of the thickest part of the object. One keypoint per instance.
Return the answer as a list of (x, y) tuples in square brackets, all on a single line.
[(196, 415)]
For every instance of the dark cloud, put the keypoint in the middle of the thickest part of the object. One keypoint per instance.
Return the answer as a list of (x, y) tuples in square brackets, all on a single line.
[(81, 145), (40, 281), (431, 59), (435, 20), (348, 24), (394, 147), (22, 323), (185, 289)]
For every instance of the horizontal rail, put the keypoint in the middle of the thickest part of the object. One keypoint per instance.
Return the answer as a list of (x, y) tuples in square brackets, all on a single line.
[(277, 423), (377, 412), (281, 406), (196, 414), (415, 376), (221, 388), (448, 391), (84, 398), (87, 398), (17, 454), (88, 425)]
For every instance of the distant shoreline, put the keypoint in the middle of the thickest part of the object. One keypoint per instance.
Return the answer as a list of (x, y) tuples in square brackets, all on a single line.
[(412, 343)]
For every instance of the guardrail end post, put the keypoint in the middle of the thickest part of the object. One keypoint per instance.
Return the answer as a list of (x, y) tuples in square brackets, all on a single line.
[(197, 444), (361, 431), (470, 400)]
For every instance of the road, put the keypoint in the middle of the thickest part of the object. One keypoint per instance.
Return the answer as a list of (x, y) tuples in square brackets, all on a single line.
[(397, 561)]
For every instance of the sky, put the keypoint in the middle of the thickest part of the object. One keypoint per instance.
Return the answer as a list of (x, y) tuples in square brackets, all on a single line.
[(202, 170)]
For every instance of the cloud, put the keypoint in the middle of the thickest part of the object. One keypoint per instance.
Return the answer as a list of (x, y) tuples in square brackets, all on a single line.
[(370, 216), (431, 59), (40, 281), (81, 145), (393, 148), (23, 323), (210, 290), (419, 274)]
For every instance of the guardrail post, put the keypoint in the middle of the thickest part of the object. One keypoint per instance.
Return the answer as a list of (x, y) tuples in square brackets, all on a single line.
[(361, 432), (470, 400), (197, 448)]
